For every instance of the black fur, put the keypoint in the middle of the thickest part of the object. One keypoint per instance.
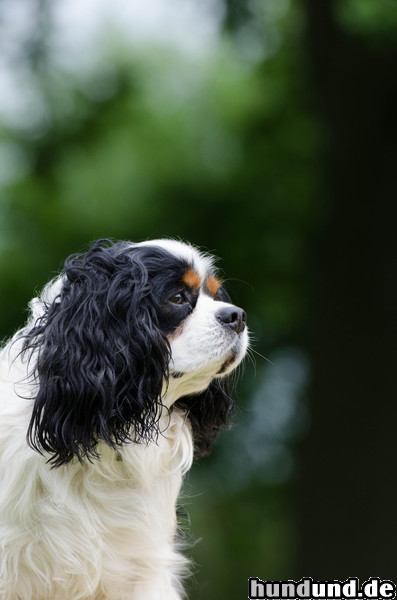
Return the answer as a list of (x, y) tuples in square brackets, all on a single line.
[(208, 412), (102, 355)]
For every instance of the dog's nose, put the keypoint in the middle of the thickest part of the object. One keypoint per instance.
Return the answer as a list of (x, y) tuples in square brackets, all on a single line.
[(233, 317)]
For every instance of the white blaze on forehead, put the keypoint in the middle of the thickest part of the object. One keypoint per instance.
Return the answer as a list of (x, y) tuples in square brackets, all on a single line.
[(202, 263)]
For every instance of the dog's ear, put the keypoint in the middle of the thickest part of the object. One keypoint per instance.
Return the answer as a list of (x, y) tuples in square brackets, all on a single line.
[(208, 412), (100, 359)]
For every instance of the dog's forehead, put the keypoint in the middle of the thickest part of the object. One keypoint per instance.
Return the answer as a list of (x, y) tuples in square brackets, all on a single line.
[(200, 262)]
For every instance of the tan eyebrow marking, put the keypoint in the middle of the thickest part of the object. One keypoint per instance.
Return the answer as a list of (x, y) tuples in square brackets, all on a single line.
[(212, 285), (191, 279)]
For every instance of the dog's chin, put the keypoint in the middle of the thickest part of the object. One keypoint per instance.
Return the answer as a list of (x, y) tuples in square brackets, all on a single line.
[(228, 365), (233, 359), (219, 367)]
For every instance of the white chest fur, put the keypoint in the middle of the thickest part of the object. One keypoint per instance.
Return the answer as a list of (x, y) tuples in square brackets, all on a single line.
[(74, 532)]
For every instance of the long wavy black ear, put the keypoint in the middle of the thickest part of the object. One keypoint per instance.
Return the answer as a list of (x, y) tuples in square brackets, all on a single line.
[(208, 412), (100, 359)]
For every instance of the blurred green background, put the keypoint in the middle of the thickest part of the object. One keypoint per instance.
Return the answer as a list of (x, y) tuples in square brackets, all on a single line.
[(263, 131)]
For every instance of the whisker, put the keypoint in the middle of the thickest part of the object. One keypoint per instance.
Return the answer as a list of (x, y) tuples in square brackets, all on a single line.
[(243, 367), (264, 357), (228, 279), (251, 357)]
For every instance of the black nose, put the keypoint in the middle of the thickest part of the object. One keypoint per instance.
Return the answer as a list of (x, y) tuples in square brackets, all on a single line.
[(233, 317)]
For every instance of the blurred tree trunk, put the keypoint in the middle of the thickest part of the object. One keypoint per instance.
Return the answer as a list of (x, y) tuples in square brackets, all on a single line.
[(348, 507)]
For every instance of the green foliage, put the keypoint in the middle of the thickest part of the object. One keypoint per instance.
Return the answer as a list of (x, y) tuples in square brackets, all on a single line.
[(371, 19), (241, 534)]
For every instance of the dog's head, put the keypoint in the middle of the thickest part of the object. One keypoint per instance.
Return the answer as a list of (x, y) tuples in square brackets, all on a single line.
[(124, 333)]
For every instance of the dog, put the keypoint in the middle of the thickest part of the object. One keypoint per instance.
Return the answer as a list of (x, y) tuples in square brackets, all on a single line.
[(117, 381)]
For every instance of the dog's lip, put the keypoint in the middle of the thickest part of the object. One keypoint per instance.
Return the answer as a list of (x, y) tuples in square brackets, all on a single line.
[(228, 362), (176, 374)]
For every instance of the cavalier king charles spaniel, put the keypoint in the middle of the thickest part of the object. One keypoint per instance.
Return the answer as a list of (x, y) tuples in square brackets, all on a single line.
[(116, 381)]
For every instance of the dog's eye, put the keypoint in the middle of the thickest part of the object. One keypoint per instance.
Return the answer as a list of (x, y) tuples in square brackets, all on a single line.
[(178, 298)]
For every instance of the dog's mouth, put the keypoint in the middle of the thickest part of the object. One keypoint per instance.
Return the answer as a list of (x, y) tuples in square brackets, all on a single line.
[(176, 374), (225, 365), (228, 362)]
